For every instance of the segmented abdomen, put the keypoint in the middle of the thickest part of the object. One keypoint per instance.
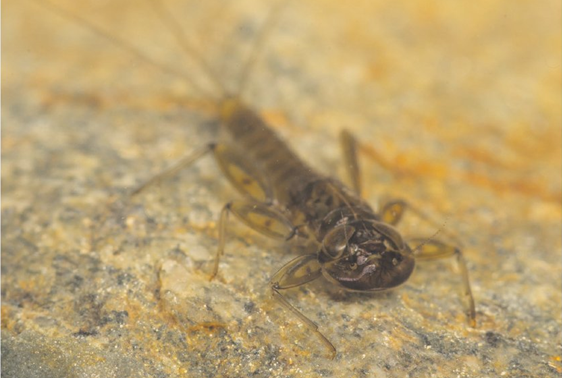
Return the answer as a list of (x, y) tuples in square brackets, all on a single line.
[(307, 196), (277, 162)]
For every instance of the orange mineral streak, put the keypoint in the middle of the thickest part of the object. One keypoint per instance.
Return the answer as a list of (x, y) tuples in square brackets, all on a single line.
[(209, 328), (413, 165), (555, 363)]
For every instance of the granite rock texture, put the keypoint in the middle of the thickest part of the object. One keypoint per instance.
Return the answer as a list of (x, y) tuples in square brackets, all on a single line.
[(457, 107)]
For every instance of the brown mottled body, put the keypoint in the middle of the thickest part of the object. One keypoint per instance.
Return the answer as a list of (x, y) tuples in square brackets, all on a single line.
[(372, 256), (305, 196), (353, 246)]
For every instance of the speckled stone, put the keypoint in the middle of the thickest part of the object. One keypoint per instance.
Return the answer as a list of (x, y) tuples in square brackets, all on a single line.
[(457, 109)]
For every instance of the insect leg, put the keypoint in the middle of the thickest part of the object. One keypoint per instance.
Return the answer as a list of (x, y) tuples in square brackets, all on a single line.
[(261, 217), (258, 212), (434, 249), (393, 211), (245, 176), (174, 169), (298, 272), (349, 149)]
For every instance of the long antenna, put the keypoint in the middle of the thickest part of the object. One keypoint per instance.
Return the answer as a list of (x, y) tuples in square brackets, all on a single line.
[(122, 43), (257, 47), (171, 23), (430, 238)]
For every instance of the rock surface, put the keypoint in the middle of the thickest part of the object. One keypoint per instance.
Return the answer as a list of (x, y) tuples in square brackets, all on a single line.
[(457, 109)]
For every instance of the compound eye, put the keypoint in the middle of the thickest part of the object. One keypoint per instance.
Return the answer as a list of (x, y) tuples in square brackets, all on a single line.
[(336, 240)]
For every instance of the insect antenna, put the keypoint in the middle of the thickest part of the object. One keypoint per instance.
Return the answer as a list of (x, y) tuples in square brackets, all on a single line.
[(124, 44), (419, 246), (172, 25)]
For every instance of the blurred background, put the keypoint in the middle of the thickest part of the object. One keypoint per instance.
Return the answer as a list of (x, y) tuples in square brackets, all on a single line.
[(457, 108)]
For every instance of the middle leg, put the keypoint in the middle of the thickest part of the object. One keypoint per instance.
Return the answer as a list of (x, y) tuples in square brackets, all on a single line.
[(261, 217)]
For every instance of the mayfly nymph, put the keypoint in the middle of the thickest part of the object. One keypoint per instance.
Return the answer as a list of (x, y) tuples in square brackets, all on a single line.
[(349, 243)]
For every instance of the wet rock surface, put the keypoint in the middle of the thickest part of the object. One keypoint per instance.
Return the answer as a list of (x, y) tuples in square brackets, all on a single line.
[(457, 110)]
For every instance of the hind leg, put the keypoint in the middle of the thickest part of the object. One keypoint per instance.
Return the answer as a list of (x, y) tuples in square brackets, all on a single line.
[(256, 211), (175, 168), (245, 176), (261, 217)]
